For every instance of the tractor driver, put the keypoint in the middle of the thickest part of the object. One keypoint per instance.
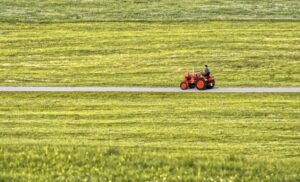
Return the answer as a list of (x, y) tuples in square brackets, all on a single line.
[(206, 71)]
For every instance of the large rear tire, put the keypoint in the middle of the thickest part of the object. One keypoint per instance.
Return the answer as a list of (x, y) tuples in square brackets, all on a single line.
[(184, 86), (201, 84)]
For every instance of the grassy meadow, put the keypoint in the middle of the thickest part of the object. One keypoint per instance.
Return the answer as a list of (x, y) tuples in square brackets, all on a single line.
[(149, 136), (146, 10), (239, 53), (149, 43)]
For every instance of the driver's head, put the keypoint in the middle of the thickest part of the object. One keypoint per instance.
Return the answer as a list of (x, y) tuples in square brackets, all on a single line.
[(206, 65)]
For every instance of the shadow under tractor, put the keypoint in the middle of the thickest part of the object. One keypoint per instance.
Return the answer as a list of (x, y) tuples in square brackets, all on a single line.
[(198, 80)]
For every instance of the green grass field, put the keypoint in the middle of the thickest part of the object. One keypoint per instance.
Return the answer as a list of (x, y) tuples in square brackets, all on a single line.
[(159, 136), (239, 53), (146, 10), (149, 43), (149, 136)]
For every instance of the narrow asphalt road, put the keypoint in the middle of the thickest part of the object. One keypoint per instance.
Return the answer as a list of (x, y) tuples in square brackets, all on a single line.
[(147, 89)]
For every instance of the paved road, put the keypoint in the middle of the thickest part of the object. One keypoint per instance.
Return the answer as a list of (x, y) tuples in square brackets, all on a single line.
[(146, 89)]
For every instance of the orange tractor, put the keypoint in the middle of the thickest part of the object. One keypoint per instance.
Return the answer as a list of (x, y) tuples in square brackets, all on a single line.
[(201, 82)]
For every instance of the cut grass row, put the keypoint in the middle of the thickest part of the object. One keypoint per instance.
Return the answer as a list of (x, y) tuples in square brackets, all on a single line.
[(149, 136), (239, 53), (144, 10)]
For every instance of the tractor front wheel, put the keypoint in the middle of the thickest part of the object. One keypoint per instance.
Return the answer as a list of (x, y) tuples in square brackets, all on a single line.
[(201, 84), (184, 85), (212, 84)]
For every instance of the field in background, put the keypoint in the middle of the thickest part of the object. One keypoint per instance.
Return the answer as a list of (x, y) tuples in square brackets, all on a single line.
[(239, 53), (47, 136), (145, 10)]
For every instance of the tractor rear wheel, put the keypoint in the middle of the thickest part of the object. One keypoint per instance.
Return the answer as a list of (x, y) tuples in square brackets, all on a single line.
[(184, 85), (201, 84)]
